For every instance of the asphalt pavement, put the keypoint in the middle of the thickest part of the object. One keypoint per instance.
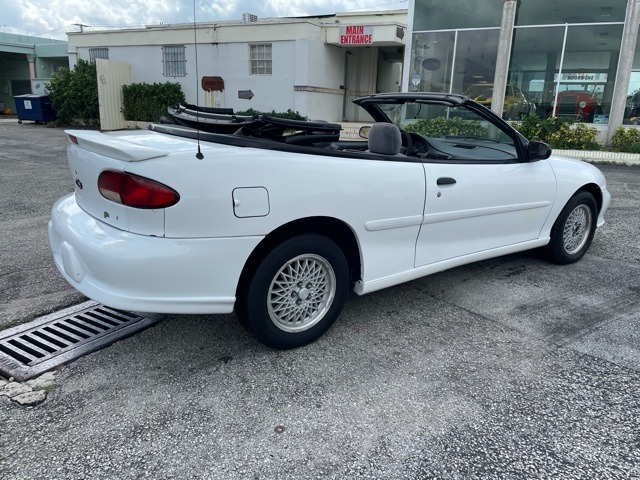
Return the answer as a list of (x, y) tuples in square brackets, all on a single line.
[(510, 368)]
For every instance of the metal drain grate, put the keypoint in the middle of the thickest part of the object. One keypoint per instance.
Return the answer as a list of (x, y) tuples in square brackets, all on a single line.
[(28, 350)]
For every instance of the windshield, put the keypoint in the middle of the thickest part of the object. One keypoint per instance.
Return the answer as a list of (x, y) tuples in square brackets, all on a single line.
[(438, 120)]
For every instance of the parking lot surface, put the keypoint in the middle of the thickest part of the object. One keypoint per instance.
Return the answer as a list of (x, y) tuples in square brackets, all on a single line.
[(508, 368)]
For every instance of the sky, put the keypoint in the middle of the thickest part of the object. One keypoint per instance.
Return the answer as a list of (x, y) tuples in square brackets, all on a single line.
[(54, 18)]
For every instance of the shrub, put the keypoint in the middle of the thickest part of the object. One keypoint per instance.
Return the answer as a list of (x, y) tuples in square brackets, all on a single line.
[(289, 114), (577, 137), (626, 140), (558, 132), (534, 127), (74, 94), (442, 127), (147, 102)]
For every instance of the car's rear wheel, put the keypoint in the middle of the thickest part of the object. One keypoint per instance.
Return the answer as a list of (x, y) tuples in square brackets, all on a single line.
[(573, 230), (295, 293)]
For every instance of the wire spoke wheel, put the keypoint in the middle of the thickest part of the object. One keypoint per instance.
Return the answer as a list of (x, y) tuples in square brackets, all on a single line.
[(573, 230), (301, 293), (577, 229), (296, 291)]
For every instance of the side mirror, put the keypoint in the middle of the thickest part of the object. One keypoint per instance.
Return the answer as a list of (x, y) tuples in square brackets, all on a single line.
[(364, 132), (538, 150)]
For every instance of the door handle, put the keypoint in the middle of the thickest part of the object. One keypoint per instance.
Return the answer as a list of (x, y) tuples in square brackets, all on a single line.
[(446, 181)]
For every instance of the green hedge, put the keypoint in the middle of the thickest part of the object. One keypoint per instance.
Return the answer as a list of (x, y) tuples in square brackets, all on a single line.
[(626, 140), (442, 127), (147, 102), (558, 132), (74, 94)]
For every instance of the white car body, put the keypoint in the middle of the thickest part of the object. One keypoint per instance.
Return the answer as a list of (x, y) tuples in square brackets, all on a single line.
[(189, 258)]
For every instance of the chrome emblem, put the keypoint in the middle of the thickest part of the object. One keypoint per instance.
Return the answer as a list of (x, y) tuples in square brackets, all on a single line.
[(79, 183)]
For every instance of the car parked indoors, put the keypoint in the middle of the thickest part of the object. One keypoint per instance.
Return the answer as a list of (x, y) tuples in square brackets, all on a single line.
[(632, 109), (577, 105), (516, 103)]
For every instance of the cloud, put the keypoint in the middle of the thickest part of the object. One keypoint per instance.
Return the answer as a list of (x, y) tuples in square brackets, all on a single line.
[(39, 17), (55, 17), (219, 9), (289, 8)]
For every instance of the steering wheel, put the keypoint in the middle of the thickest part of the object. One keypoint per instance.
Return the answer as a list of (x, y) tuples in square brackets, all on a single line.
[(407, 142)]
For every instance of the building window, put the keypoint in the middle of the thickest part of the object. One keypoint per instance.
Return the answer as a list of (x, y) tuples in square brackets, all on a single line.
[(174, 61), (531, 12), (98, 53), (563, 60), (458, 14), (260, 59), (457, 61), (575, 83)]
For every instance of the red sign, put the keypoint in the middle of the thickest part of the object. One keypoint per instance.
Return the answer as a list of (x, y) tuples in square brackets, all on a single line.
[(356, 35)]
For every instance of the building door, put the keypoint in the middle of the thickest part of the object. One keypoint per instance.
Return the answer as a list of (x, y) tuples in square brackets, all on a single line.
[(360, 66), (389, 75), (20, 87), (111, 77)]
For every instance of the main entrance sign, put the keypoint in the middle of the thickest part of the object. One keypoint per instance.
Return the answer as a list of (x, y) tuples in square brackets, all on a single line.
[(356, 35)]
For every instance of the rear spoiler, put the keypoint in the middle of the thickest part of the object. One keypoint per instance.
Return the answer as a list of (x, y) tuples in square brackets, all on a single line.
[(109, 146)]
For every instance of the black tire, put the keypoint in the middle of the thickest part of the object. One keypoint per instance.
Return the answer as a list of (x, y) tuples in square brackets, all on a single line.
[(573, 230), (292, 309)]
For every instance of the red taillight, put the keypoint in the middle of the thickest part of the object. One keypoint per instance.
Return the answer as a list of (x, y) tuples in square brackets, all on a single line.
[(73, 139), (135, 191)]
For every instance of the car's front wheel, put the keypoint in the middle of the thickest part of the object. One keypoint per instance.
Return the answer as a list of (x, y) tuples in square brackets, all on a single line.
[(573, 230), (295, 293)]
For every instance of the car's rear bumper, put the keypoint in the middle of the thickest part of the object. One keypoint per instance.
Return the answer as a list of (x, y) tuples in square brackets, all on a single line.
[(144, 273)]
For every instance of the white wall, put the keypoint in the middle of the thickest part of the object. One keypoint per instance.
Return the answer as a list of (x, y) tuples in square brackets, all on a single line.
[(271, 92), (146, 65), (320, 69), (307, 70), (304, 62)]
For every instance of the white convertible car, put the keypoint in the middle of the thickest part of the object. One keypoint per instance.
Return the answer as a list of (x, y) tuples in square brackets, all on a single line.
[(280, 219)]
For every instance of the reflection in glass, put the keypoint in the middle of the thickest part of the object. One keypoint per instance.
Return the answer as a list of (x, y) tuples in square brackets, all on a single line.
[(535, 12), (535, 59), (581, 88), (476, 54), (632, 107), (431, 62), (452, 14), (588, 75)]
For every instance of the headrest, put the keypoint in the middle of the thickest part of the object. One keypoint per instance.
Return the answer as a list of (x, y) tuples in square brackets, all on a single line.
[(385, 139)]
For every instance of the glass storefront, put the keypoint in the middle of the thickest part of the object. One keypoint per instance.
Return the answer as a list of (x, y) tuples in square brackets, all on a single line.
[(632, 107), (575, 83), (431, 62), (550, 12), (563, 61), (451, 14), (453, 61)]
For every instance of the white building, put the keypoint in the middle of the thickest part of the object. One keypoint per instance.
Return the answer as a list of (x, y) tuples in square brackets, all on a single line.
[(312, 65)]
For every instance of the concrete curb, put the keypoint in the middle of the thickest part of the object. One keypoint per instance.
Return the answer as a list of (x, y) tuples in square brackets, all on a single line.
[(603, 156)]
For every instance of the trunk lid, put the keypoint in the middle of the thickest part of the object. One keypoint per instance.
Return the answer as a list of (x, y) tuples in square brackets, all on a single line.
[(90, 153)]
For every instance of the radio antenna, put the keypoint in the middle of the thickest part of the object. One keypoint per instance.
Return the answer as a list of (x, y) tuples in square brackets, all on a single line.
[(199, 155)]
